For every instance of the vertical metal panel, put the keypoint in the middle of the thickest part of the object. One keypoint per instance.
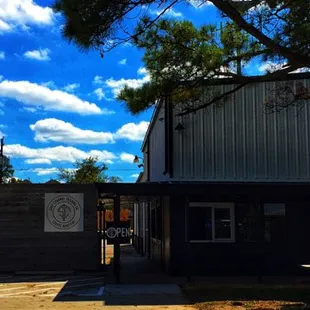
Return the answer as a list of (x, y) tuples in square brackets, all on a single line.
[(177, 150), (194, 144), (187, 147), (239, 141), (157, 148), (254, 137), (223, 151), (228, 142), (249, 124), (218, 140), (208, 146), (239, 134), (307, 114), (213, 152)]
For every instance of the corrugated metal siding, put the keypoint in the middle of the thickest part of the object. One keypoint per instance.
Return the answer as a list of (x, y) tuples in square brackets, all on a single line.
[(237, 140), (157, 149)]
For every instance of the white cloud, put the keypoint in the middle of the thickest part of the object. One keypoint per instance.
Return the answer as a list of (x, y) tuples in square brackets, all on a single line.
[(30, 109), (2, 55), (49, 84), (132, 131), (301, 70), (270, 67), (41, 54), (126, 44), (126, 157), (98, 80), (99, 93), (259, 7), (71, 87), (4, 26), (57, 153), (22, 13), (52, 129), (117, 85), (32, 94), (2, 127), (198, 4), (170, 12), (123, 62), (45, 171), (142, 71), (38, 161), (136, 175)]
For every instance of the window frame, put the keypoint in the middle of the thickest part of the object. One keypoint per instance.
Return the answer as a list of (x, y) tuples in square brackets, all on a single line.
[(213, 206)]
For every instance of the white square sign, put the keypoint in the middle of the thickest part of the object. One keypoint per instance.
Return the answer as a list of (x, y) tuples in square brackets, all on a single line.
[(64, 212)]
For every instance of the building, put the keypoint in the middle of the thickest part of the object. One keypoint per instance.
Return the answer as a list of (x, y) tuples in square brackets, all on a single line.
[(245, 206)]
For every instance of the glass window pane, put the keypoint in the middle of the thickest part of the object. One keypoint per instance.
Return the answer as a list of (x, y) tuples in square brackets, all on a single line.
[(222, 223), (200, 223)]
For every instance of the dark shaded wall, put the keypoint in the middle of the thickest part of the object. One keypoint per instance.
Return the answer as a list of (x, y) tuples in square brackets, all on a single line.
[(240, 258), (166, 239), (24, 246)]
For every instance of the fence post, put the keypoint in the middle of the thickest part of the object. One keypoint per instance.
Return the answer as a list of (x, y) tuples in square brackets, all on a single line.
[(117, 211)]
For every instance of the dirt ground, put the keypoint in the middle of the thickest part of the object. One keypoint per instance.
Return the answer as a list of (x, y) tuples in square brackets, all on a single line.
[(89, 292), (251, 305), (39, 303)]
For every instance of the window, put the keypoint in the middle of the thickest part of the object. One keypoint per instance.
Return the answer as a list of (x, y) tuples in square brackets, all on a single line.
[(274, 222), (211, 222)]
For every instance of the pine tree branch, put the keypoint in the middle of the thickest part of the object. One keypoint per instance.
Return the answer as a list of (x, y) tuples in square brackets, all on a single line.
[(294, 58)]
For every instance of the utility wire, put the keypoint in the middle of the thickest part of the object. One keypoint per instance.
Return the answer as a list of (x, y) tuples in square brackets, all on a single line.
[(30, 169)]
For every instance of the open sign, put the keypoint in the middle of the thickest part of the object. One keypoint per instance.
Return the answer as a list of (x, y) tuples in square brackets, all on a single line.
[(119, 233)]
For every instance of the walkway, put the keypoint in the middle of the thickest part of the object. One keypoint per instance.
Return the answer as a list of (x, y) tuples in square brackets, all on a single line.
[(142, 283), (141, 270)]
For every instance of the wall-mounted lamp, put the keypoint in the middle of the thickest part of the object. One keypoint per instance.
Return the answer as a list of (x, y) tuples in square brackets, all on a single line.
[(136, 160), (179, 127)]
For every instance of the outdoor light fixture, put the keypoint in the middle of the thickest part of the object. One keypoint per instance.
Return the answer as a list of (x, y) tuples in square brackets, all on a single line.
[(136, 159), (179, 127)]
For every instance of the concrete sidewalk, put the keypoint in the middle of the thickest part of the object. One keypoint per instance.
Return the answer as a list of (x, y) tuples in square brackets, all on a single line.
[(144, 295), (140, 270)]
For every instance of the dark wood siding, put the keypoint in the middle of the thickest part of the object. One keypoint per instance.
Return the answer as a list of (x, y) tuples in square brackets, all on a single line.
[(241, 258), (24, 245)]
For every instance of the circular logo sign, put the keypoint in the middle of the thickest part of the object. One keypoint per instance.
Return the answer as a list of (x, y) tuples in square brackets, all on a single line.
[(63, 212)]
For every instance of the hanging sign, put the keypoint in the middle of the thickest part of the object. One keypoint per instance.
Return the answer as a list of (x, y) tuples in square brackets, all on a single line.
[(118, 233)]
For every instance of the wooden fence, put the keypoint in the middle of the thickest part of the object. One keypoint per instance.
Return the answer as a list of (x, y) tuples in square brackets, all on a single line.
[(24, 246)]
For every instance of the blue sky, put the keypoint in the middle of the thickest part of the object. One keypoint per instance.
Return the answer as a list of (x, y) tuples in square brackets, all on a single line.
[(58, 104)]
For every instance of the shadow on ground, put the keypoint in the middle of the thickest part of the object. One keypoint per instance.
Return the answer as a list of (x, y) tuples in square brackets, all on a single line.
[(143, 283)]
